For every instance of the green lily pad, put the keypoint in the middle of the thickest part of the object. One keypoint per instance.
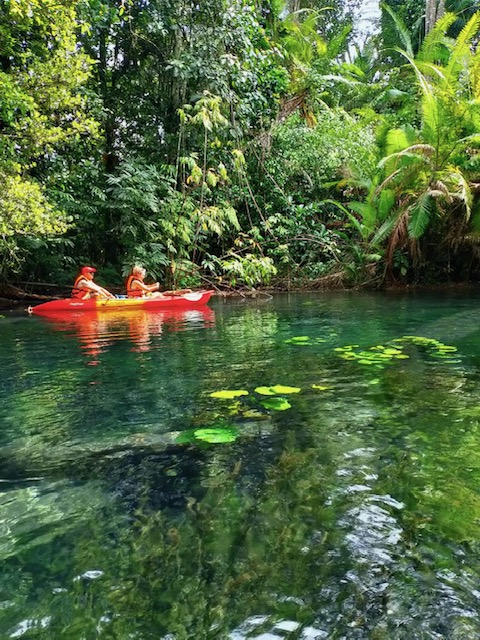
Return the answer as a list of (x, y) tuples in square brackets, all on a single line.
[(320, 387), (278, 388), (265, 391), (277, 404), (298, 340), (228, 394), (216, 435)]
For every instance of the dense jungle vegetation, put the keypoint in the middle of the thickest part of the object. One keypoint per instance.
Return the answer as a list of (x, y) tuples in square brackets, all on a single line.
[(240, 142)]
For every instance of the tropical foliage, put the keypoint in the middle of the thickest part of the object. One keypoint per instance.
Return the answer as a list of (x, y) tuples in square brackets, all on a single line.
[(239, 143)]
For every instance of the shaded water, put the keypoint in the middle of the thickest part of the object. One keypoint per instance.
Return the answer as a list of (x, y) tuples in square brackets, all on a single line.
[(135, 505)]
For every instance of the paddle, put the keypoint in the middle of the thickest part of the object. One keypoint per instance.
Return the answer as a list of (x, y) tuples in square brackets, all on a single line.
[(176, 292)]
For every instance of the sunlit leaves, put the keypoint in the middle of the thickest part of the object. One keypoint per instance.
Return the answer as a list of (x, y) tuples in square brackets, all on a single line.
[(24, 209), (42, 110)]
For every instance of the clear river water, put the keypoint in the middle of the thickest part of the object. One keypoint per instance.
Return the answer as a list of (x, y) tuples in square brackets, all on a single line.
[(306, 467)]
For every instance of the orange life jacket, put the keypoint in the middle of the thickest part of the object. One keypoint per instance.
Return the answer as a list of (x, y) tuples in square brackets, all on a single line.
[(133, 293), (80, 293)]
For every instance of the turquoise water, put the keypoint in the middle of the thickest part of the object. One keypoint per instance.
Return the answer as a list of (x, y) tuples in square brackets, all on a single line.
[(133, 504)]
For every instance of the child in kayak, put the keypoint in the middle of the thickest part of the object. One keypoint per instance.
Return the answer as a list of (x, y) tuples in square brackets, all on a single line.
[(84, 287)]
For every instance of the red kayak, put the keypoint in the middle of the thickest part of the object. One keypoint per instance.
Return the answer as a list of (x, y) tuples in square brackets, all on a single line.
[(175, 301)]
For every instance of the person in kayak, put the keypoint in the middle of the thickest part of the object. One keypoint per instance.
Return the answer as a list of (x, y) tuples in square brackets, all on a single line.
[(136, 287), (85, 288)]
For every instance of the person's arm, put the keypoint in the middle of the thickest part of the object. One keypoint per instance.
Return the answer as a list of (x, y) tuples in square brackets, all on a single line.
[(92, 286), (106, 293), (141, 286)]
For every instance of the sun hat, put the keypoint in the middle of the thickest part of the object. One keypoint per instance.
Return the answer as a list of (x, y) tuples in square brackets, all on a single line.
[(88, 270)]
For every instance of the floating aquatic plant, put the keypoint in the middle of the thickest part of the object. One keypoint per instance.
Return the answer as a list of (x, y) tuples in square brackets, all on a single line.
[(377, 356), (320, 387), (277, 404), (298, 340), (278, 388), (434, 348), (216, 435), (212, 435), (381, 355), (306, 340), (228, 394)]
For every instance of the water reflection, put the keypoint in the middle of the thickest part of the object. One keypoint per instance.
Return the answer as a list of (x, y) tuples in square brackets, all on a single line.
[(98, 330)]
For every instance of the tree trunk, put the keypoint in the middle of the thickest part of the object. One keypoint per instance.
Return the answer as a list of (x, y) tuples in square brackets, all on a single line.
[(434, 9)]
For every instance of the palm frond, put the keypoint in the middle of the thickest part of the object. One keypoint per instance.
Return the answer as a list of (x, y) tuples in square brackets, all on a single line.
[(420, 215), (430, 70), (396, 140), (463, 193), (403, 154), (386, 200), (402, 30), (428, 149), (439, 189), (398, 236), (368, 214), (388, 179), (341, 80), (430, 107), (462, 47), (474, 70), (384, 230), (434, 41), (471, 238)]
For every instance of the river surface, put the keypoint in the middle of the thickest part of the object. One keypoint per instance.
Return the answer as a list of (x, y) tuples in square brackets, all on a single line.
[(329, 488)]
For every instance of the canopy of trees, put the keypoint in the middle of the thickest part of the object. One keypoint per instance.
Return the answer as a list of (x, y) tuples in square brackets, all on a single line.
[(234, 141)]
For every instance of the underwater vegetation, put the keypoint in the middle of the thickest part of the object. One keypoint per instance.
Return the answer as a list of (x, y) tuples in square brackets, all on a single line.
[(271, 397)]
